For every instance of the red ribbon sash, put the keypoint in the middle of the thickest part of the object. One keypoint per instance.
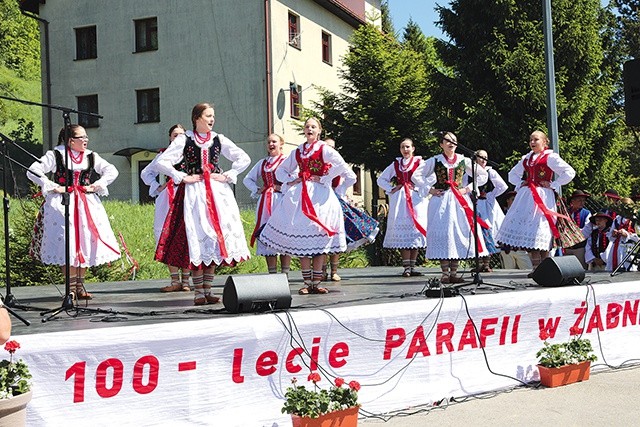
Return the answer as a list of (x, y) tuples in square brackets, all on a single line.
[(80, 196), (548, 213), (212, 211), (266, 199), (468, 212), (307, 206)]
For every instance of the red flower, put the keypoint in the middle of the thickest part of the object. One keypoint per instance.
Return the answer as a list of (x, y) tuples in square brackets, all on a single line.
[(354, 385), (544, 335), (314, 377), (12, 346), (339, 381), (575, 330)]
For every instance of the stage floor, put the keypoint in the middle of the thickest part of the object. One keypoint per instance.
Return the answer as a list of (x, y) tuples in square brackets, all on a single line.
[(141, 302)]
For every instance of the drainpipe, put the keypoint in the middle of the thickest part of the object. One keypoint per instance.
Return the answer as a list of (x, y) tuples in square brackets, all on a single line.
[(269, 74), (48, 119)]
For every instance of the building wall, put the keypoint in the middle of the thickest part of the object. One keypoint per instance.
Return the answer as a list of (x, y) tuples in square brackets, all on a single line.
[(207, 52)]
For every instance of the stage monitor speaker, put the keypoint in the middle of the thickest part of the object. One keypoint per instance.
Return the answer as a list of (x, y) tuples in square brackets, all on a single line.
[(559, 271), (256, 293), (631, 76)]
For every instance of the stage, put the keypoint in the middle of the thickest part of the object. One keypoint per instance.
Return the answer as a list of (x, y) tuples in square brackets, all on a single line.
[(142, 357)]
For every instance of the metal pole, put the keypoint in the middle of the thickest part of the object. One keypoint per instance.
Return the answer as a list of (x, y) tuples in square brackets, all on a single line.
[(552, 112)]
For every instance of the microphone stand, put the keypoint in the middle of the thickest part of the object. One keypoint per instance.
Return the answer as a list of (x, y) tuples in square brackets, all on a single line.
[(67, 301), (477, 278)]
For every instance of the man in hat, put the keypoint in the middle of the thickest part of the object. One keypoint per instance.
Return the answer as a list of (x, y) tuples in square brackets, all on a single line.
[(514, 258), (580, 215), (598, 241)]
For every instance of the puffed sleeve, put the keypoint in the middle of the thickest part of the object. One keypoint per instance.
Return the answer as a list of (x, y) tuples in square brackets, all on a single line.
[(384, 180), (499, 186), (338, 168), (171, 156), (516, 173), (481, 173), (288, 170), (564, 173), (46, 164), (424, 176), (148, 176), (239, 158), (252, 178), (108, 173)]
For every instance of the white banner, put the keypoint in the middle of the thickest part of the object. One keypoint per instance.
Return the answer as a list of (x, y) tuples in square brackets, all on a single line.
[(234, 371)]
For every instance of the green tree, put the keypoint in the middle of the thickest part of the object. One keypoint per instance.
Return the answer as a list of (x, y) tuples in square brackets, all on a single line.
[(496, 93), (387, 23), (384, 100), (629, 20), (19, 41)]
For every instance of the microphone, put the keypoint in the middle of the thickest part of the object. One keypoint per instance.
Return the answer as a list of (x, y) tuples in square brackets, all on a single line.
[(438, 133)]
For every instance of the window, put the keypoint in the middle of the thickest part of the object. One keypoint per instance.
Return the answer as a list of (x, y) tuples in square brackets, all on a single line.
[(86, 44), (296, 99), (148, 101), (326, 48), (89, 104), (294, 30), (146, 34)]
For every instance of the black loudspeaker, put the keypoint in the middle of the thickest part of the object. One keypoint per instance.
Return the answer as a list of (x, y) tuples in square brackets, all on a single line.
[(256, 293), (559, 271), (631, 75)]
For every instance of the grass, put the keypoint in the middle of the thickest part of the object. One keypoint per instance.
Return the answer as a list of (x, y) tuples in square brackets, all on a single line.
[(133, 227)]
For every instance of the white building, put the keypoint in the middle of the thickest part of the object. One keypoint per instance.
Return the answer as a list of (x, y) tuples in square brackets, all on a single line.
[(144, 64)]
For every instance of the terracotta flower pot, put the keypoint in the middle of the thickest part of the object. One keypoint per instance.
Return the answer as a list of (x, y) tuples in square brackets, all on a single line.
[(344, 418), (563, 375), (13, 411)]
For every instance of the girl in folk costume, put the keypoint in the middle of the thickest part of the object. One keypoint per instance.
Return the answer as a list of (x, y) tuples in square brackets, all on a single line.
[(407, 217), (261, 181), (488, 208), (530, 223), (450, 237), (164, 194), (359, 227), (622, 238), (308, 222), (598, 241), (203, 228), (91, 239)]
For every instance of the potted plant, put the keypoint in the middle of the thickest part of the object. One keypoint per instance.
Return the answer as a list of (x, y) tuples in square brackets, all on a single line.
[(337, 406), (15, 388), (565, 362)]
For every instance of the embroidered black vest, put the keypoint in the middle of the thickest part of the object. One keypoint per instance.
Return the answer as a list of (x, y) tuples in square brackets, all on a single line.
[(442, 175), (62, 175), (192, 157)]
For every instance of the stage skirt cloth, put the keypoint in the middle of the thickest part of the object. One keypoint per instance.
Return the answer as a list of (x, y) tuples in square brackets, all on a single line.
[(290, 231), (189, 240), (450, 236), (401, 231), (525, 225), (490, 211), (261, 248), (359, 227), (95, 251)]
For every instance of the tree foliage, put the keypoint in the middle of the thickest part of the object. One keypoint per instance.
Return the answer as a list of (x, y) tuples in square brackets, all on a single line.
[(384, 100), (496, 93), (629, 20), (19, 41)]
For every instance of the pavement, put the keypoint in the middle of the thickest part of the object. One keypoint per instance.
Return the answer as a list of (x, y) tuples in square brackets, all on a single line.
[(608, 398)]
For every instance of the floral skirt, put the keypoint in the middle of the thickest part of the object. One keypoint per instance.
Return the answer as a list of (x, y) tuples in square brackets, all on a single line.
[(359, 227)]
